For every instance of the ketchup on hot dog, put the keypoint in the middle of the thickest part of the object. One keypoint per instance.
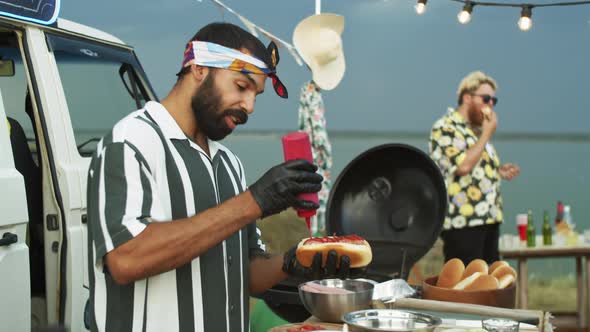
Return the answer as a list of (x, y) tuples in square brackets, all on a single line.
[(353, 246)]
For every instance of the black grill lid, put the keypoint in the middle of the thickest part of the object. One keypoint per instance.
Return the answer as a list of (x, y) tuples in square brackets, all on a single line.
[(394, 196)]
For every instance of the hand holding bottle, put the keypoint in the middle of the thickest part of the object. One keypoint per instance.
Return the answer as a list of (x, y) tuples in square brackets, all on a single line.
[(280, 186)]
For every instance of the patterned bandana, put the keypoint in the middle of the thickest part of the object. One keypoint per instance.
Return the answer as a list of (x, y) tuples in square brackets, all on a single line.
[(213, 55)]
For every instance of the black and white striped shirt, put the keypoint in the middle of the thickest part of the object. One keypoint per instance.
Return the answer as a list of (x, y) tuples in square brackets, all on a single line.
[(147, 170)]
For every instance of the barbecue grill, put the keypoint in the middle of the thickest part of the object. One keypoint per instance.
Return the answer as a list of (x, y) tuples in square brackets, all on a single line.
[(394, 196)]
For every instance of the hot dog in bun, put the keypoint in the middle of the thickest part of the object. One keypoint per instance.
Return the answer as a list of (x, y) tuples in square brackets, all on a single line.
[(353, 246)]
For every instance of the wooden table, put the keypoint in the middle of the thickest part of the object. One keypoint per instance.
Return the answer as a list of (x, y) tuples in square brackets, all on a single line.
[(582, 255)]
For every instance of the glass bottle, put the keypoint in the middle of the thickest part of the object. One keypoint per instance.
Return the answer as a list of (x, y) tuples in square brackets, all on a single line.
[(530, 231), (567, 216), (547, 231)]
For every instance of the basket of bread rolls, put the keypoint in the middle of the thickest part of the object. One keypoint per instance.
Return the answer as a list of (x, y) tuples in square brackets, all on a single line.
[(477, 283)]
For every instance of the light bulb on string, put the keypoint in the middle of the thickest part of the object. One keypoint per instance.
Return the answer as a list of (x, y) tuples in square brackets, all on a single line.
[(525, 23), (420, 7), (465, 15)]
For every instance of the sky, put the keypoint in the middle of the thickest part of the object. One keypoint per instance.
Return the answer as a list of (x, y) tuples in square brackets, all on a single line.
[(402, 69)]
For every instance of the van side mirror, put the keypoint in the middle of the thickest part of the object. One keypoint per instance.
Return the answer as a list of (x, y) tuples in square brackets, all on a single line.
[(6, 67)]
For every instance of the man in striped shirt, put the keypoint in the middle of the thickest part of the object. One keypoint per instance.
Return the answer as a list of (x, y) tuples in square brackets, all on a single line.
[(173, 244)]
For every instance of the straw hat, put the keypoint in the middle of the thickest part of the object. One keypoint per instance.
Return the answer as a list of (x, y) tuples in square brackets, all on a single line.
[(317, 39)]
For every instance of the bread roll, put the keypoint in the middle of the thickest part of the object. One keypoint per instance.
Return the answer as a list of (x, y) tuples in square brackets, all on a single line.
[(503, 270), (505, 280), (355, 247), (451, 273), (476, 265), (482, 282), (467, 281), (496, 265)]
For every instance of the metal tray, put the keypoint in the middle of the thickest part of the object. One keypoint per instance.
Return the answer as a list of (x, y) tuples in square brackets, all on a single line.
[(390, 320)]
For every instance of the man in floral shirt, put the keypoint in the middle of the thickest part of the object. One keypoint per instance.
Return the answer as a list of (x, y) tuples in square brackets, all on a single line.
[(460, 143)]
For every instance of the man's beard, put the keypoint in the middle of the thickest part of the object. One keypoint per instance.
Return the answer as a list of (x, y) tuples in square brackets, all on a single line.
[(206, 104)]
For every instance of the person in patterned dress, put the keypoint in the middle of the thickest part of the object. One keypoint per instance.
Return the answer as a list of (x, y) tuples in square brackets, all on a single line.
[(460, 144), (313, 122)]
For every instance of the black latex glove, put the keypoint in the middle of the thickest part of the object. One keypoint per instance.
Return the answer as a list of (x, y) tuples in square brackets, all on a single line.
[(278, 188), (316, 271)]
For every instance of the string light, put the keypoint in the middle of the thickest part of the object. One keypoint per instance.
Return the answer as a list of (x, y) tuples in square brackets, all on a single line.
[(420, 7), (525, 22), (465, 15)]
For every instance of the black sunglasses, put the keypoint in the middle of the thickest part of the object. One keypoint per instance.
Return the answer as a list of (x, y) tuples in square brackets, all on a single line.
[(486, 99)]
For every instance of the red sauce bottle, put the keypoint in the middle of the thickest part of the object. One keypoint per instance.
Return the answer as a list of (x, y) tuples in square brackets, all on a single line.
[(296, 145)]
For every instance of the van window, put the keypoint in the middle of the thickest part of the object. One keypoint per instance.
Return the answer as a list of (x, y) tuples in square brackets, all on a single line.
[(14, 88), (93, 77)]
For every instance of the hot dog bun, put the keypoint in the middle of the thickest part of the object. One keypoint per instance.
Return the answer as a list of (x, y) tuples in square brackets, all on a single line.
[(451, 273), (502, 271), (353, 246), (496, 265), (475, 277), (482, 282), (505, 280), (477, 282), (467, 281), (476, 265)]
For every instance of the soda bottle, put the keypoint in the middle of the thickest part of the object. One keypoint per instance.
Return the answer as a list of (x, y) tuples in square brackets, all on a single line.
[(297, 146), (559, 214), (547, 231), (530, 230)]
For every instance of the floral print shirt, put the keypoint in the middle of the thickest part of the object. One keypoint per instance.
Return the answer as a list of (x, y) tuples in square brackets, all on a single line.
[(474, 199), (312, 121)]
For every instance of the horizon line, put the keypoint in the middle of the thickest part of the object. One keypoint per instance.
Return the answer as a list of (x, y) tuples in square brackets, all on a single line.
[(502, 136)]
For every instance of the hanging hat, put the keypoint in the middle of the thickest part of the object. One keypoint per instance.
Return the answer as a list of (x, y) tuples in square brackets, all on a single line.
[(317, 39)]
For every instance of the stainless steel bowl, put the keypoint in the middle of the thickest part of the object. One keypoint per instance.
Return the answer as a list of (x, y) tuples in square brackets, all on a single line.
[(390, 321), (331, 307)]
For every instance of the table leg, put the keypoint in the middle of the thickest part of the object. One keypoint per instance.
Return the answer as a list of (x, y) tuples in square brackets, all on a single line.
[(581, 294), (523, 284), (587, 291)]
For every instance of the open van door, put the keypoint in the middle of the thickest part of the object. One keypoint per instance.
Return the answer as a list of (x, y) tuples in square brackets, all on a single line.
[(90, 85), (14, 253), (65, 85)]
